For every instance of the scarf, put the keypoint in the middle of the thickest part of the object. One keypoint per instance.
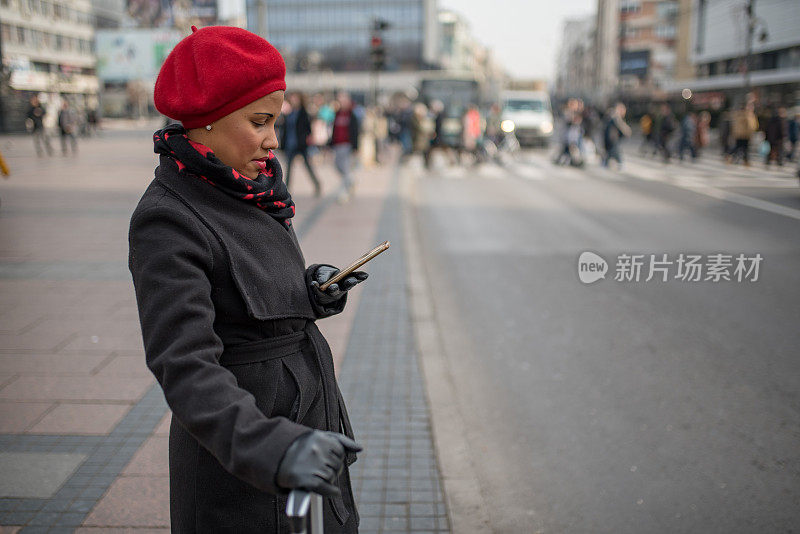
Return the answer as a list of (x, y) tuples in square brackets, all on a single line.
[(267, 191)]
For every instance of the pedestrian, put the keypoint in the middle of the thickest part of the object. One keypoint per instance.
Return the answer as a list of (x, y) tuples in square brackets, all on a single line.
[(91, 122), (296, 134), (471, 132), (793, 134), (646, 125), (227, 306), (666, 125), (743, 126), (36, 114), (688, 133), (422, 129), (775, 133), (725, 134), (615, 129), (703, 127), (344, 140), (67, 125)]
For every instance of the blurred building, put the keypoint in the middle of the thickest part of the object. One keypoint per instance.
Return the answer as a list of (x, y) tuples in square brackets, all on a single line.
[(628, 52), (128, 61), (47, 50), (648, 34), (607, 41), (714, 51), (335, 35), (576, 62), (327, 45), (133, 39), (460, 53), (108, 13)]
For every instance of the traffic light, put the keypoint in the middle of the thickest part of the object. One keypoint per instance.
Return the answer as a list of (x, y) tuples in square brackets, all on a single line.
[(377, 50)]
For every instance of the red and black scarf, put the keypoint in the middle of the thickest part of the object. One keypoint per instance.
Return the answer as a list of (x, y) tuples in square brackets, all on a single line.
[(267, 191)]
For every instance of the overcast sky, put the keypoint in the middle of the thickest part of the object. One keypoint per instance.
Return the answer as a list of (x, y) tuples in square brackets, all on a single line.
[(524, 34)]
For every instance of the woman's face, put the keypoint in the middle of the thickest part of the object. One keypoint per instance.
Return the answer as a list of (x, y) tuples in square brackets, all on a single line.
[(243, 139)]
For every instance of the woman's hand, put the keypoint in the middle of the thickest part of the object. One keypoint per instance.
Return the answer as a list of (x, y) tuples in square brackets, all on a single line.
[(323, 273), (332, 300), (314, 460)]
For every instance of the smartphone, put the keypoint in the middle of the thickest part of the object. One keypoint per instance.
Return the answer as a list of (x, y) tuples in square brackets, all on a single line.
[(355, 265)]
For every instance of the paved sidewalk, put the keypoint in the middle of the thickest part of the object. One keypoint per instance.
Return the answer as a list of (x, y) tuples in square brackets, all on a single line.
[(83, 426)]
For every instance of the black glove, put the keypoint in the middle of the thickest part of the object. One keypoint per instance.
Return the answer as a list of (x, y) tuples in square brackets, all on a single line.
[(313, 461), (332, 300)]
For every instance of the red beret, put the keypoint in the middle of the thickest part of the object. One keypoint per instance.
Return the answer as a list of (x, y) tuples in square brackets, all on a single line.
[(215, 71)]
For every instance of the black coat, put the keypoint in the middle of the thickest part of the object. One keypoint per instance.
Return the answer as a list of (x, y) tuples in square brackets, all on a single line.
[(229, 333)]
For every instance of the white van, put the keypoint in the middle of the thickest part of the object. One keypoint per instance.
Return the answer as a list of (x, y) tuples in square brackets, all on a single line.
[(528, 115)]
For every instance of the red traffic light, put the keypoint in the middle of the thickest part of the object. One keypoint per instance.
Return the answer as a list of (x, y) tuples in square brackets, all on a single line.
[(376, 41)]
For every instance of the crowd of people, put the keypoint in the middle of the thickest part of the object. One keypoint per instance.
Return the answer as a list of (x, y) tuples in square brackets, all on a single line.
[(667, 135), (335, 126), (70, 123)]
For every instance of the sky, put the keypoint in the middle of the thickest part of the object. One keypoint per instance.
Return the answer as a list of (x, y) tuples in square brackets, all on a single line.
[(524, 34)]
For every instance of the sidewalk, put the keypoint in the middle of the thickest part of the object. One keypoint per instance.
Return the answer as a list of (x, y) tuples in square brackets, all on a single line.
[(83, 425)]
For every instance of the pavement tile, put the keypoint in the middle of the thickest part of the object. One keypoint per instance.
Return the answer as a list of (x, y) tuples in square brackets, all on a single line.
[(151, 459), (9, 530), (81, 419), (15, 417), (16, 320), (99, 339), (21, 363), (43, 337), (75, 388), (133, 502), (35, 475), (125, 366)]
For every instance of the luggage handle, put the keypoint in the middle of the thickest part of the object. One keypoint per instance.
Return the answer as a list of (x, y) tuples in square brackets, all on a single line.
[(299, 507)]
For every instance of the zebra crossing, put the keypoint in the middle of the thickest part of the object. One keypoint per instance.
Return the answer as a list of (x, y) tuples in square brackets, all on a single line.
[(537, 166)]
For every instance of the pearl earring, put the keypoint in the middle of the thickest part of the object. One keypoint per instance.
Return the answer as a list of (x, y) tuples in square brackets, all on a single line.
[(208, 127)]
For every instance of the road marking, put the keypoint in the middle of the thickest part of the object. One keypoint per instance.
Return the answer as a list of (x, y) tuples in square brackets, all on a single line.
[(699, 187)]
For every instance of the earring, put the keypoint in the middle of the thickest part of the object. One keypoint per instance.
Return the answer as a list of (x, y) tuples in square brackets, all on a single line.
[(208, 127)]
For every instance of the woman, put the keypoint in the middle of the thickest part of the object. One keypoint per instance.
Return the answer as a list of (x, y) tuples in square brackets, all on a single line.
[(227, 306), (294, 141)]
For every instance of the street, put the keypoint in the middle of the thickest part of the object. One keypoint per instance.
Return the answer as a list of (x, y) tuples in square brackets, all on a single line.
[(619, 406)]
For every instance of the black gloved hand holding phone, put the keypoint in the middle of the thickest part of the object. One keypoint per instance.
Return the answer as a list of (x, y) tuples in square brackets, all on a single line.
[(332, 300)]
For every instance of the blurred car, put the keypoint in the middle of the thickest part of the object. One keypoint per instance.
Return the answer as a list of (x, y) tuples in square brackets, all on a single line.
[(527, 114)]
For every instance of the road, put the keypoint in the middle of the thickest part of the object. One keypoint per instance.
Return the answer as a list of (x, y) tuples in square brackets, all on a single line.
[(621, 406)]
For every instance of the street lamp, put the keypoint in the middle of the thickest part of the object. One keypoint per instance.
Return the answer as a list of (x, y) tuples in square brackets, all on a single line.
[(752, 23)]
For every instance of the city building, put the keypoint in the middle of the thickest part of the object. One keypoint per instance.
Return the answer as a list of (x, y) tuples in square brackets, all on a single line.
[(327, 45), (718, 67), (607, 41), (47, 49), (134, 38), (328, 35), (108, 13), (576, 61), (648, 33)]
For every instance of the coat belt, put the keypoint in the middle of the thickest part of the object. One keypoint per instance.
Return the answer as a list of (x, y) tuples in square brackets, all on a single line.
[(263, 349)]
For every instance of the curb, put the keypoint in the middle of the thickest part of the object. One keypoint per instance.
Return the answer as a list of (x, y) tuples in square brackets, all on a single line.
[(466, 505)]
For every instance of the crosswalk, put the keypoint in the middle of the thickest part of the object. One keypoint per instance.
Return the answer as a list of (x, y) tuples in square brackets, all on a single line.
[(708, 171)]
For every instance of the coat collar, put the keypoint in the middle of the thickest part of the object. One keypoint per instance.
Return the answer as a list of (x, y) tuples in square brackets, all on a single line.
[(265, 259)]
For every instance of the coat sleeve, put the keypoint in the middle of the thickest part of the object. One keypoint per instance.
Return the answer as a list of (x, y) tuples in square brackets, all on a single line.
[(171, 260)]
